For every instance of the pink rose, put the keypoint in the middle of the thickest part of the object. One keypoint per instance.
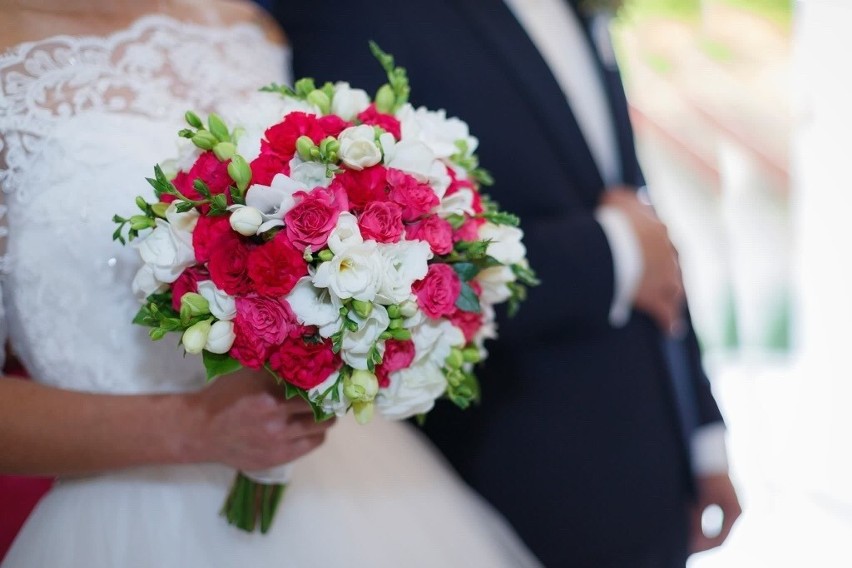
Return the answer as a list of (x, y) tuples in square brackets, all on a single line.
[(261, 324), (398, 355), (363, 186), (438, 291), (415, 198), (435, 231), (309, 223), (469, 231), (468, 322), (382, 222)]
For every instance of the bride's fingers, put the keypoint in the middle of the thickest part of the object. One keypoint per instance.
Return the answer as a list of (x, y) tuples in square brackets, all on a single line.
[(308, 426)]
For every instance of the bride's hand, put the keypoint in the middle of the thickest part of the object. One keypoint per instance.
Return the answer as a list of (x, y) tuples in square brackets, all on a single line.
[(243, 421)]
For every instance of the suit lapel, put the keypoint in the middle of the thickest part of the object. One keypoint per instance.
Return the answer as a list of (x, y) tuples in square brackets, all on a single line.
[(500, 31)]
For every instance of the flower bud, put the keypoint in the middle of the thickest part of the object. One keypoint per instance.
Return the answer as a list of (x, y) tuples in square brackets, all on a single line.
[(320, 100), (246, 221), (454, 377), (218, 128), (361, 386), (140, 222), (394, 312), (194, 304), (239, 171), (408, 309), (395, 324), (205, 140), (363, 412), (159, 209), (193, 120), (141, 203), (221, 337), (385, 99), (472, 355), (195, 338), (325, 255), (455, 359), (363, 309), (224, 151), (329, 145), (401, 334), (304, 145)]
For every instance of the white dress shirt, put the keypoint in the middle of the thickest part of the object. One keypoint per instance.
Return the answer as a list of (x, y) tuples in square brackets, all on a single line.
[(558, 35)]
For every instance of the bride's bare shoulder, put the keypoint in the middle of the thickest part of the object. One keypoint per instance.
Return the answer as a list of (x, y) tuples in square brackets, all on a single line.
[(249, 12)]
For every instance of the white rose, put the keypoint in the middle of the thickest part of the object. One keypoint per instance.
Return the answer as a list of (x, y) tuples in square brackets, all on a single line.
[(246, 220), (505, 243), (309, 174), (358, 148), (354, 273), (273, 201), (435, 130), (326, 390), (345, 234), (356, 346), (494, 282), (404, 263), (222, 306), (315, 306), (409, 156), (221, 337), (433, 340), (167, 251), (145, 283), (411, 391), (347, 102)]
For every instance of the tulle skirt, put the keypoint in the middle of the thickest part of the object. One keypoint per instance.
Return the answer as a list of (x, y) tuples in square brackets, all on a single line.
[(372, 496)]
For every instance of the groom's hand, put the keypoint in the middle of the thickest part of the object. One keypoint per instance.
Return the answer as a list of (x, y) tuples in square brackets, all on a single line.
[(713, 490), (660, 293)]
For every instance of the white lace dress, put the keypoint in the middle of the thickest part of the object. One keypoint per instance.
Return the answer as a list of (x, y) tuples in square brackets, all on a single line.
[(82, 121)]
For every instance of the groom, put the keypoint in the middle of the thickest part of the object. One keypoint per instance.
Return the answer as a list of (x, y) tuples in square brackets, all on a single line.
[(597, 437)]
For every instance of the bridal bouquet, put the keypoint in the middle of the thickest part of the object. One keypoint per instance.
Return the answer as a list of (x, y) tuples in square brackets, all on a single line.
[(338, 242)]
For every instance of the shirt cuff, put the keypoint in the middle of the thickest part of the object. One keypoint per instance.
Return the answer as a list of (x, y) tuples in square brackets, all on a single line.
[(626, 259), (709, 450)]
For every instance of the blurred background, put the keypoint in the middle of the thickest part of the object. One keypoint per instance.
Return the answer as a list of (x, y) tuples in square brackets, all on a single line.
[(742, 122)]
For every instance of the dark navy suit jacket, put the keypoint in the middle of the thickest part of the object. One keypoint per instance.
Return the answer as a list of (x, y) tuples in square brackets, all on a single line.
[(578, 439)]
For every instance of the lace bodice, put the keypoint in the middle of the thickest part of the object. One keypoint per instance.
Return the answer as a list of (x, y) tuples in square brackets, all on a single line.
[(82, 122)]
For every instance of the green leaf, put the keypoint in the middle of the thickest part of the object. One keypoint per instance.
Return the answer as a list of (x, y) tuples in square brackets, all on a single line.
[(525, 275), (502, 218), (201, 188), (466, 270), (282, 90), (467, 300), (218, 365)]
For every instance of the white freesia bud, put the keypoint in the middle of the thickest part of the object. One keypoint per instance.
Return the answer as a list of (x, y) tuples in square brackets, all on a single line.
[(246, 221), (408, 308), (347, 102), (505, 244), (195, 338), (220, 338), (222, 306), (361, 386), (358, 148)]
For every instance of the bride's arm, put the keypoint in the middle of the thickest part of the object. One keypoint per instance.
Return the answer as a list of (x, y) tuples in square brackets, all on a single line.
[(238, 421)]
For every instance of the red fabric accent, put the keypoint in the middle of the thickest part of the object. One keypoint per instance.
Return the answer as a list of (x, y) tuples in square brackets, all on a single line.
[(18, 495)]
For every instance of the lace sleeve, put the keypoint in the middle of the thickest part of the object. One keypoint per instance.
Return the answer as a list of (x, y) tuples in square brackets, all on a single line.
[(4, 231)]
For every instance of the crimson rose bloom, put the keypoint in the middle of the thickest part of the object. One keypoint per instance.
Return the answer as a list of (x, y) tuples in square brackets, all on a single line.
[(469, 231), (209, 230), (275, 267), (415, 198), (267, 165), (438, 291), (304, 364), (186, 283), (375, 118), (228, 265), (435, 231), (309, 223), (398, 355), (382, 222), (261, 324), (282, 137), (362, 187)]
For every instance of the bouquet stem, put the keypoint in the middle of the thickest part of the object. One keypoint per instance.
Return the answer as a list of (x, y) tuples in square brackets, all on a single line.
[(250, 502)]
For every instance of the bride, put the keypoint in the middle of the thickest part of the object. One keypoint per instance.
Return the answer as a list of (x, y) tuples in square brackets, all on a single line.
[(91, 94)]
